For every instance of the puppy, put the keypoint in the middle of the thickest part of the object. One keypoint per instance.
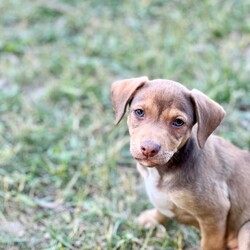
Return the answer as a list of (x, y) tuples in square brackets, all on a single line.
[(190, 175)]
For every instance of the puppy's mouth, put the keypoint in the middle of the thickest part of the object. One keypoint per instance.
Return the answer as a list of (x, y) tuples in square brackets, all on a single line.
[(148, 163), (156, 161), (151, 154)]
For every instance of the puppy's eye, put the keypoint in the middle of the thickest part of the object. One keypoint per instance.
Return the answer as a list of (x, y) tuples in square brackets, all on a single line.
[(178, 123), (139, 112)]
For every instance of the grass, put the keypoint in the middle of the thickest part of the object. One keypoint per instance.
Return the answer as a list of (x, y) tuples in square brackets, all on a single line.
[(67, 180)]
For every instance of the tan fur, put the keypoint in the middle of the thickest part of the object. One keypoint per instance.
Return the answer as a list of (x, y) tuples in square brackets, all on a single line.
[(190, 175)]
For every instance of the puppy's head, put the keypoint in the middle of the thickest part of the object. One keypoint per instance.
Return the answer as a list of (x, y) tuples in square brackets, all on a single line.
[(161, 117)]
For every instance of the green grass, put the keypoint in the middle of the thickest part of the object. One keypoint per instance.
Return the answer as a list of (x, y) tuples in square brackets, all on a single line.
[(67, 180)]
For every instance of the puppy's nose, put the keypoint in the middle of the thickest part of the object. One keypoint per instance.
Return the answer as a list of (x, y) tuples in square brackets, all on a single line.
[(150, 148)]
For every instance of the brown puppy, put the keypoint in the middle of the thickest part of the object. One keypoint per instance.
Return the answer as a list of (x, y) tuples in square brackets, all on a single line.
[(190, 175)]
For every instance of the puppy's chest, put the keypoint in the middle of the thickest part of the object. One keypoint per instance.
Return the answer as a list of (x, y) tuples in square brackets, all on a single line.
[(161, 194)]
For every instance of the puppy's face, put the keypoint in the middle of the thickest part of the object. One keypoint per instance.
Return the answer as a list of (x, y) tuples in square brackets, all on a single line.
[(160, 121), (161, 116)]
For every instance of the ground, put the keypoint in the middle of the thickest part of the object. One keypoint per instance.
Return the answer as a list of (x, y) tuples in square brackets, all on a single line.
[(67, 180)]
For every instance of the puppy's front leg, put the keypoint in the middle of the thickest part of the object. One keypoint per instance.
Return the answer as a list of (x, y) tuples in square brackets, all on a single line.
[(150, 218), (213, 233)]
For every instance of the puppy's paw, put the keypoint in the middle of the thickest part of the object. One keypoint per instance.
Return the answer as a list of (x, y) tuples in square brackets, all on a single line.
[(151, 218)]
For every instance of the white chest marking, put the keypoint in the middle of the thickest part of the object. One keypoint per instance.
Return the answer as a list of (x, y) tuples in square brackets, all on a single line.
[(159, 197)]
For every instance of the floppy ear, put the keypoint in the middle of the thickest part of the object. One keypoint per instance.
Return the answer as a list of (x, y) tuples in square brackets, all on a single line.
[(122, 93), (209, 115)]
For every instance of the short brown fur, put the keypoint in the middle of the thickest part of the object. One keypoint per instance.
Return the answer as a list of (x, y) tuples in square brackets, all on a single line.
[(190, 175)]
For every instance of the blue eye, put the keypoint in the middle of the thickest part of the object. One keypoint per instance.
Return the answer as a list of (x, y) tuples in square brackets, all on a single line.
[(178, 123), (139, 112)]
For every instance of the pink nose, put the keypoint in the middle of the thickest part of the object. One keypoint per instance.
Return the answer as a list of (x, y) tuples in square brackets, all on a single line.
[(150, 148)]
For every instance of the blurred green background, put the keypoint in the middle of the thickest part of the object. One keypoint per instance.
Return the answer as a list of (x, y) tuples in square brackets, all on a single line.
[(67, 180)]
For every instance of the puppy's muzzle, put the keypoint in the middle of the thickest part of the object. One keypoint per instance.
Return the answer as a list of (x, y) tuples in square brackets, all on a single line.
[(150, 148)]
